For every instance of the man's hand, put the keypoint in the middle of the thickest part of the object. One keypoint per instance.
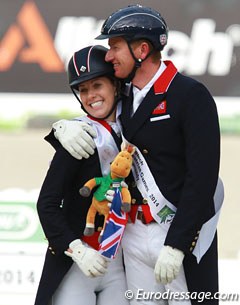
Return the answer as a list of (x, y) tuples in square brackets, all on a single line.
[(168, 265), (76, 137), (91, 262)]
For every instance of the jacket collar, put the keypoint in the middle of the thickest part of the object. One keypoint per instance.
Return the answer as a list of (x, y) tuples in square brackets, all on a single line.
[(163, 82), (155, 95)]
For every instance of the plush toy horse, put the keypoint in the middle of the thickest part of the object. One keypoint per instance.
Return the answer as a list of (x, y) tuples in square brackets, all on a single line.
[(119, 169)]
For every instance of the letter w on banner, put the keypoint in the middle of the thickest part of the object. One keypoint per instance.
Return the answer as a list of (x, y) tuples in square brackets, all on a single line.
[(114, 229)]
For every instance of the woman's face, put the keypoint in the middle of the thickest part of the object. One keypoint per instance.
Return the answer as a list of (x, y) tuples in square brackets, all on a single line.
[(97, 96)]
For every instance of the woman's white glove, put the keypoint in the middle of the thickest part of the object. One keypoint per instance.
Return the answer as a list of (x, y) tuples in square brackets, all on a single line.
[(91, 262), (76, 137), (168, 264)]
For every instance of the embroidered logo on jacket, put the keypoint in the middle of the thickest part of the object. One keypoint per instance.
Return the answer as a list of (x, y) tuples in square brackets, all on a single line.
[(161, 108)]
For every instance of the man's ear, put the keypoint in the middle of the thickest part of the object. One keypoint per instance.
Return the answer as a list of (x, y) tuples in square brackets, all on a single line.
[(145, 49)]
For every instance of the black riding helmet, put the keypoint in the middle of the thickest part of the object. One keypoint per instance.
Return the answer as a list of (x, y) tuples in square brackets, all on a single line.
[(86, 64), (136, 22)]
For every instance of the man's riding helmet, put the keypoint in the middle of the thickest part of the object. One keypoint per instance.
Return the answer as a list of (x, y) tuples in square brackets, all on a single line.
[(136, 22), (86, 64)]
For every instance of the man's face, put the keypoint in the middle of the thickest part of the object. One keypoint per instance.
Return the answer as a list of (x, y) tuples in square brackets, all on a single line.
[(120, 56)]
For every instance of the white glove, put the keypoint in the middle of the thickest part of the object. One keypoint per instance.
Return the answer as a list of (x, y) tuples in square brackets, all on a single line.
[(110, 193), (76, 137), (168, 264), (91, 262), (109, 196)]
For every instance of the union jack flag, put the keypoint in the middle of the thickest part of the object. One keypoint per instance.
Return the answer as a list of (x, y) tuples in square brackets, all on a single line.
[(115, 225)]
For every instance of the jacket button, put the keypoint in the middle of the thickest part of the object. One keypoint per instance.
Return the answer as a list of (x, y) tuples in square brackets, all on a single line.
[(133, 201), (144, 201), (53, 253), (193, 243), (145, 151), (191, 249), (50, 248)]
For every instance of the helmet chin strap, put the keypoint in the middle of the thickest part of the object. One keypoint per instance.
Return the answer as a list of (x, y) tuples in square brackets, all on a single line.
[(138, 63), (104, 118)]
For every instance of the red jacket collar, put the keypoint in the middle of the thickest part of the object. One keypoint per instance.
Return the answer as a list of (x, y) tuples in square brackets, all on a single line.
[(163, 82), (102, 122)]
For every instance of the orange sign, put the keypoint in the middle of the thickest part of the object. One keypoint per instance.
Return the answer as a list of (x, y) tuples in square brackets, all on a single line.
[(29, 41)]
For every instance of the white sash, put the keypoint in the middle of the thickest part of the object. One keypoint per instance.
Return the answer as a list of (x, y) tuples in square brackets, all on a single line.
[(106, 146), (208, 229), (161, 209), (164, 211)]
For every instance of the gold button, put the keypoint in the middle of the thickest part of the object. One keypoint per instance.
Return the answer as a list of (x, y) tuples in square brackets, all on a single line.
[(50, 248), (191, 249), (53, 252), (133, 201), (145, 151), (196, 237), (144, 201), (193, 243), (198, 232)]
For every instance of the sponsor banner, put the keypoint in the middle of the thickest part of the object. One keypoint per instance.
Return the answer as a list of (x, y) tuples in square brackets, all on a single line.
[(20, 228), (19, 222), (22, 246), (19, 278), (38, 37), (20, 273)]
